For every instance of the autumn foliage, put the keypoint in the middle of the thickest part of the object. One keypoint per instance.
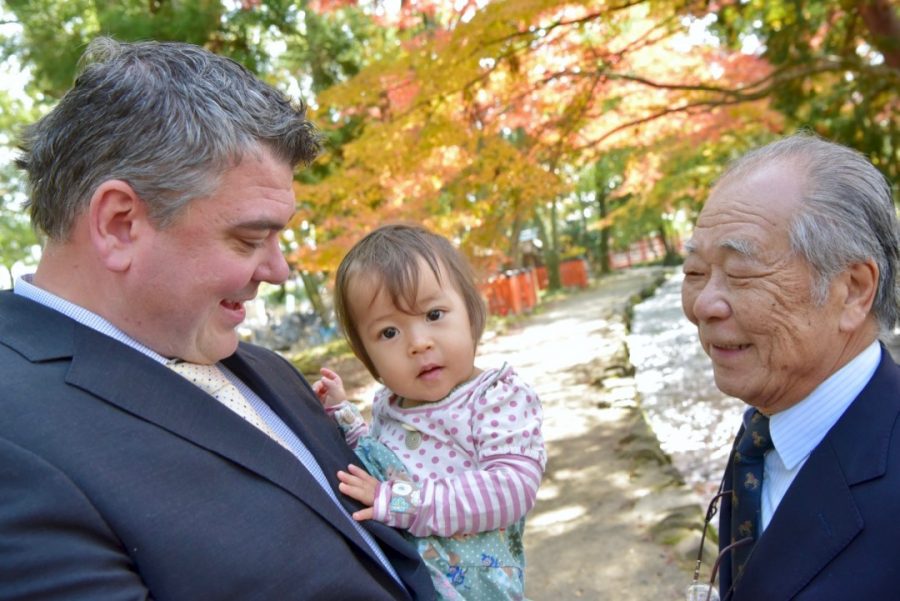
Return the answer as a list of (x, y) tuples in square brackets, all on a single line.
[(584, 124)]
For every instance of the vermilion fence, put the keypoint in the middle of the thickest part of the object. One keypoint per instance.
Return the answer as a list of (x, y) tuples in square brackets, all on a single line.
[(642, 251), (515, 292), (572, 274)]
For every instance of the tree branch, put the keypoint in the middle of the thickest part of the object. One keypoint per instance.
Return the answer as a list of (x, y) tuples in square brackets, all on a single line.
[(883, 22)]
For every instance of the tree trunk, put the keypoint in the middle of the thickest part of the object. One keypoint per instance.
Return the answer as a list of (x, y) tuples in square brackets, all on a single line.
[(551, 255), (583, 240), (514, 255), (602, 212), (555, 282), (671, 257), (311, 285)]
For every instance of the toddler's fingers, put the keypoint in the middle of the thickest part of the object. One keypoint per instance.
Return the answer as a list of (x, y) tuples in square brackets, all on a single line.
[(364, 514), (358, 471), (348, 479)]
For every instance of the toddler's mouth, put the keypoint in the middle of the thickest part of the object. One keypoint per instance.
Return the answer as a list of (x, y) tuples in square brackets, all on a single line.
[(429, 370)]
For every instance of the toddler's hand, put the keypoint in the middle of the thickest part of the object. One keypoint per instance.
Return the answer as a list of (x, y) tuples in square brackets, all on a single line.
[(330, 389), (359, 485)]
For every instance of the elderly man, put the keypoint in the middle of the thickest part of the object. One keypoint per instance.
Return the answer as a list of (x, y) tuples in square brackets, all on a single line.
[(144, 453), (790, 275)]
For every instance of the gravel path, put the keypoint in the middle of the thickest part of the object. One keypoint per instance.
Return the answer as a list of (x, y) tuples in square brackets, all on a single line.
[(589, 537)]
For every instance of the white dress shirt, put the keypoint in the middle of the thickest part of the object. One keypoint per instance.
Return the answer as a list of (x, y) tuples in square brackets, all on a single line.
[(798, 430)]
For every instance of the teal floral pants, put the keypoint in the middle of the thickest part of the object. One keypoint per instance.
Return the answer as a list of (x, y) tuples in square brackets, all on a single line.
[(487, 566)]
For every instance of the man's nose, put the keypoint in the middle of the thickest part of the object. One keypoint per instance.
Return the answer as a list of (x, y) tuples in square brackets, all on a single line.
[(707, 301), (274, 268)]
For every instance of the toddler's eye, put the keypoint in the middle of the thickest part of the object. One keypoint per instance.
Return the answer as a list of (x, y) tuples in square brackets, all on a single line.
[(434, 315), (389, 333)]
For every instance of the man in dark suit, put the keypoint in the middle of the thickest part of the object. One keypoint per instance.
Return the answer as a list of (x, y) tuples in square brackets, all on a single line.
[(162, 181), (791, 273)]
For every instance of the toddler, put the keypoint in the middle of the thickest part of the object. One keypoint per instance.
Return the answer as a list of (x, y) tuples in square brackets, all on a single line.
[(456, 452)]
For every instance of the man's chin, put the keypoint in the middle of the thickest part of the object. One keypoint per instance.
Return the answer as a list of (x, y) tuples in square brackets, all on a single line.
[(727, 385), (214, 350)]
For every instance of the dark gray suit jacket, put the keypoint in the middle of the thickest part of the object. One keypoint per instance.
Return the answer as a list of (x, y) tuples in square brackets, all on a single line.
[(121, 480), (836, 534)]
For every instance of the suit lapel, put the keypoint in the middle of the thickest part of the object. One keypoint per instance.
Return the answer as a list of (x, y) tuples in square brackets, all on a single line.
[(296, 405), (815, 521), (818, 517), (293, 402), (135, 383)]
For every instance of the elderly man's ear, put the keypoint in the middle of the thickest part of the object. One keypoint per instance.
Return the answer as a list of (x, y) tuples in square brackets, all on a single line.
[(117, 218), (857, 286)]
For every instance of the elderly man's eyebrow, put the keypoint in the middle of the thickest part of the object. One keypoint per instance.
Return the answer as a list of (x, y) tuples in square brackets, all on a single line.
[(740, 246)]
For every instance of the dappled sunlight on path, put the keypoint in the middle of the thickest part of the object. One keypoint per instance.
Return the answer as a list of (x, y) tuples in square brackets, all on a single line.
[(587, 537)]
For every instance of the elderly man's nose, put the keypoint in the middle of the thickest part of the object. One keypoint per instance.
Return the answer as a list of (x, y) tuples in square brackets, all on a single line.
[(710, 302)]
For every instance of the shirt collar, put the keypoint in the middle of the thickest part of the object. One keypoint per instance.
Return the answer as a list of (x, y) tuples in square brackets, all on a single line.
[(798, 430), (25, 287)]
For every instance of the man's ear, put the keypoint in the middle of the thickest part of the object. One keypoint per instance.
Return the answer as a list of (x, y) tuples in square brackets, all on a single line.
[(116, 218), (858, 293)]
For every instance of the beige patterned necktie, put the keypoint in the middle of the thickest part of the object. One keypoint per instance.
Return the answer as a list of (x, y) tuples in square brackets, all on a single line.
[(211, 380)]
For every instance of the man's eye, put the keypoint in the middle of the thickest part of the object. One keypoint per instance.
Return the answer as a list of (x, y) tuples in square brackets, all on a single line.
[(740, 276), (253, 243), (434, 315), (692, 271), (389, 333)]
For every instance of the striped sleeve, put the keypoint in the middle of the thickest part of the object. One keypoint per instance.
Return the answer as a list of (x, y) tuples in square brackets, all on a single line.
[(495, 496)]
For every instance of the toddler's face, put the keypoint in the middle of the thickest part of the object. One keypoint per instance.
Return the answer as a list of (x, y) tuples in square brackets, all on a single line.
[(420, 352)]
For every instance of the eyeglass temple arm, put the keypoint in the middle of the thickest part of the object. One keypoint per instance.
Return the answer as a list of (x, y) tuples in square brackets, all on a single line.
[(711, 511), (715, 569)]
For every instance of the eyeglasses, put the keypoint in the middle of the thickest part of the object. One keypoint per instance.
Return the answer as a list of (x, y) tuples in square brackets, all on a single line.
[(707, 591)]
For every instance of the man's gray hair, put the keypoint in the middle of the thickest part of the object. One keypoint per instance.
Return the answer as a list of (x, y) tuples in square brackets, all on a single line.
[(847, 214), (168, 118)]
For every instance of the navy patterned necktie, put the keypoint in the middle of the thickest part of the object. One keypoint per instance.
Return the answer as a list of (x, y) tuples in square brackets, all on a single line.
[(747, 486)]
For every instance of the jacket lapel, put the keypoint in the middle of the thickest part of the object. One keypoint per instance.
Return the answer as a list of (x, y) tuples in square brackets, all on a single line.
[(818, 517), (818, 510), (150, 391), (296, 405)]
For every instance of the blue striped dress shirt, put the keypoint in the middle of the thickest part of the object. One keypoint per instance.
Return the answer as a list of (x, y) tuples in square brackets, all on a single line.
[(798, 430)]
